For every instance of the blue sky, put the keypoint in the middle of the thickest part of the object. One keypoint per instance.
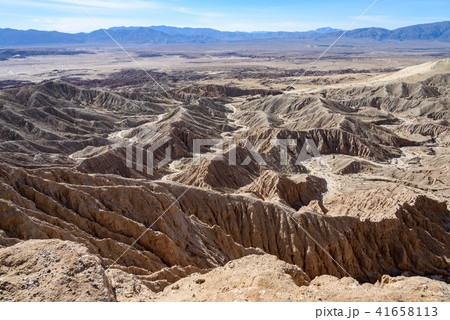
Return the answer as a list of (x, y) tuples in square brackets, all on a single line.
[(232, 15)]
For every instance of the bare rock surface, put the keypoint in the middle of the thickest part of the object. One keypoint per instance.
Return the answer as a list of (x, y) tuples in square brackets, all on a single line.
[(372, 205), (265, 278), (52, 270), (252, 278)]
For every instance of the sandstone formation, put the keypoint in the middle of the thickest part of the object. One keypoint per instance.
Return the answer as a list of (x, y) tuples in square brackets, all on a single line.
[(369, 213), (264, 278), (52, 270), (55, 270)]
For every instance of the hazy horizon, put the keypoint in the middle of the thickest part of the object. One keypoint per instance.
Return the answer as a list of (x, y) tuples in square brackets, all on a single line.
[(73, 16), (190, 27)]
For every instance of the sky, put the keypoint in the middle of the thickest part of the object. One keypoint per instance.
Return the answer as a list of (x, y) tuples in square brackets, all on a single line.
[(231, 15)]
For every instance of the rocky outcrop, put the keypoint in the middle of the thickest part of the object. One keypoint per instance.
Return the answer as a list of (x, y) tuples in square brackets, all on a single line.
[(351, 166), (252, 278), (264, 278), (296, 191), (206, 229), (215, 174), (216, 91), (55, 270), (52, 270)]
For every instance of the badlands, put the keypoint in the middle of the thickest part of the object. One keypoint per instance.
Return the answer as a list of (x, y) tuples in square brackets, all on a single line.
[(364, 216)]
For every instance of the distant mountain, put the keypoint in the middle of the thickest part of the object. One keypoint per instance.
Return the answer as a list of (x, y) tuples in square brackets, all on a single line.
[(439, 31), (326, 30)]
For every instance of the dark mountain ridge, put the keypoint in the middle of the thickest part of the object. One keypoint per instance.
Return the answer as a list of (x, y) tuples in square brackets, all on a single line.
[(154, 35)]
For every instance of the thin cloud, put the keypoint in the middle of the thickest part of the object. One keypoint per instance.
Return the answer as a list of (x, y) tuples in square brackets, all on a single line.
[(434, 19), (376, 19), (99, 4), (80, 24), (275, 26), (25, 3), (199, 13), (96, 4)]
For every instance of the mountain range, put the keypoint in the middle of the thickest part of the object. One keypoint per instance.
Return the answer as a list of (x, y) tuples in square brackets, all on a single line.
[(155, 35)]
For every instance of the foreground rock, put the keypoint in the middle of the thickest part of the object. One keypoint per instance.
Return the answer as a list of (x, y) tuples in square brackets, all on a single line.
[(55, 270), (52, 270), (265, 278), (251, 278)]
